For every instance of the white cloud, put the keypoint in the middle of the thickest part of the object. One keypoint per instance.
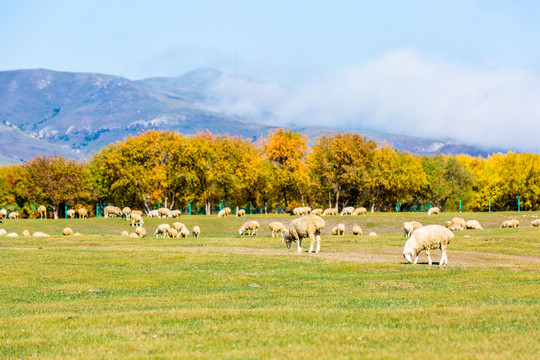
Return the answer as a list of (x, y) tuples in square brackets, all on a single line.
[(402, 93)]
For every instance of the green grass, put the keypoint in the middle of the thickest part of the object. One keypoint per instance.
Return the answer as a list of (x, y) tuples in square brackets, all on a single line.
[(221, 296)]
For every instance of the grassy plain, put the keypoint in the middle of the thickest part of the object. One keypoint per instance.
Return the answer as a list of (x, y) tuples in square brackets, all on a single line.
[(226, 297)]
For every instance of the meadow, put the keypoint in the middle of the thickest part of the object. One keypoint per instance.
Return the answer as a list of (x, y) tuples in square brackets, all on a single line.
[(223, 296)]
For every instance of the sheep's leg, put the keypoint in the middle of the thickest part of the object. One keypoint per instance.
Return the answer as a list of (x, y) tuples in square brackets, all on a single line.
[(299, 245), (444, 260), (318, 243), (416, 259), (429, 257), (312, 243)]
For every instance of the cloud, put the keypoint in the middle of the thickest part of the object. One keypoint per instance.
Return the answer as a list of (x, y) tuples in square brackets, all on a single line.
[(404, 93)]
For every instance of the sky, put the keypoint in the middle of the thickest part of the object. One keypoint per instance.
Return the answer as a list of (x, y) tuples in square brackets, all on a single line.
[(461, 70)]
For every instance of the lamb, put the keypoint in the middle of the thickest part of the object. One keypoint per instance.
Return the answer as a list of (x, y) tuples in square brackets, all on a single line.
[(83, 213), (161, 230), (184, 232), (67, 231), (510, 224), (71, 213), (112, 211), (330, 211), (434, 211), (277, 227), (126, 212), (241, 213), (196, 231), (360, 211), (347, 211), (3, 215), (339, 230), (317, 212), (473, 224), (42, 210), (410, 226), (136, 220), (39, 234), (152, 213), (172, 233), (249, 228), (164, 213), (427, 238), (536, 223), (25, 233), (176, 213), (14, 215), (139, 230), (309, 226), (3, 232), (357, 230)]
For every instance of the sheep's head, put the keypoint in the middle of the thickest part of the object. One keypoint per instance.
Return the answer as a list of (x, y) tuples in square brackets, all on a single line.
[(288, 239), (241, 231), (409, 254)]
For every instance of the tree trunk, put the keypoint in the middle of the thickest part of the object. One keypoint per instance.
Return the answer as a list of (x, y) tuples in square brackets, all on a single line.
[(165, 203), (265, 207), (55, 208), (373, 207), (172, 202), (337, 200), (208, 206), (329, 201), (145, 203)]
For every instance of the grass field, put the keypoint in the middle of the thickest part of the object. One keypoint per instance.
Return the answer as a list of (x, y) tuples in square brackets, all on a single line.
[(221, 296)]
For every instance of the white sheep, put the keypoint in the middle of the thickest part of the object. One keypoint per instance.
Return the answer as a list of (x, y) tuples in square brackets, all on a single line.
[(178, 225), (3, 215), (277, 227), (427, 238), (138, 212), (196, 231), (139, 230), (360, 211), (410, 226), (14, 215), (67, 231), (347, 211), (535, 223), (136, 220), (227, 210), (221, 213), (171, 232), (25, 233), (83, 213), (357, 230), (70, 213), (3, 232), (125, 233), (126, 212), (317, 212), (176, 213), (39, 234), (473, 224), (452, 226), (339, 230), (134, 235), (309, 226), (241, 213), (301, 211), (12, 234), (152, 213), (434, 211), (42, 210), (330, 211), (164, 213), (184, 232), (77, 234), (460, 222), (373, 233), (510, 224), (112, 211), (161, 230), (249, 228)]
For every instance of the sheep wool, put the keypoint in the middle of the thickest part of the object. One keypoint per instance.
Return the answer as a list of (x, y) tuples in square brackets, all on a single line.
[(330, 211), (83, 213), (317, 212), (536, 223), (277, 227), (184, 232), (357, 230), (3, 232), (161, 230), (473, 224), (410, 226), (249, 228), (136, 220), (427, 238), (196, 231), (125, 233), (507, 224), (139, 230), (42, 210), (360, 211), (338, 230), (25, 233), (434, 211), (309, 226), (67, 231), (3, 215), (39, 234), (71, 213), (347, 211)]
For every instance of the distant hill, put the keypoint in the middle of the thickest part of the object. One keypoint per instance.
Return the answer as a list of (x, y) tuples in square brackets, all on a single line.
[(75, 114)]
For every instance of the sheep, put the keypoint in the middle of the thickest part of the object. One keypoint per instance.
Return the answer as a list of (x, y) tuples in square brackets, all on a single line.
[(3, 232), (3, 215), (241, 213), (473, 224), (39, 234), (317, 212), (347, 211), (152, 213), (126, 212), (184, 232), (161, 229), (301, 211), (138, 212), (221, 213), (452, 226), (25, 233), (67, 231), (139, 230), (510, 224), (176, 213), (125, 233), (136, 220), (357, 230), (410, 226), (427, 238), (360, 211), (77, 234), (13, 215), (277, 227), (339, 230), (70, 213), (309, 226), (330, 211), (171, 232), (196, 231), (227, 210), (373, 233), (434, 211), (178, 226), (112, 211), (83, 213), (536, 223), (134, 235), (249, 228), (460, 222), (13, 234), (164, 213), (42, 210)]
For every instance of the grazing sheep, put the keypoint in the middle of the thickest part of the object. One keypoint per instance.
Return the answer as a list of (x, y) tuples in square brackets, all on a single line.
[(330, 211), (3, 232), (536, 223), (434, 211), (301, 211), (510, 224), (39, 234), (125, 233), (136, 220), (460, 222), (25, 233), (357, 230), (138, 212), (241, 213), (178, 226), (176, 213), (452, 226), (317, 212), (196, 231), (14, 215), (410, 226), (139, 230), (309, 226), (373, 233), (161, 230), (70, 213), (83, 213), (277, 227), (227, 210), (13, 234), (152, 213), (360, 211), (3, 215), (67, 232), (347, 211), (164, 213), (42, 210), (134, 235), (77, 234), (184, 232), (112, 211), (221, 213), (249, 228), (473, 224), (126, 212), (172, 233), (427, 238), (339, 230)]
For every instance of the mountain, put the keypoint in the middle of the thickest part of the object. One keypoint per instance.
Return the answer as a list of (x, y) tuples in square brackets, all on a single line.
[(75, 114)]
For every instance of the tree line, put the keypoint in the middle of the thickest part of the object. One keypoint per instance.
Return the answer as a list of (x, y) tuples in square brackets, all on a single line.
[(281, 171)]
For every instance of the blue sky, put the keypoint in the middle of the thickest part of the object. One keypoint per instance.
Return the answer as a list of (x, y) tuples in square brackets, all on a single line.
[(431, 47)]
